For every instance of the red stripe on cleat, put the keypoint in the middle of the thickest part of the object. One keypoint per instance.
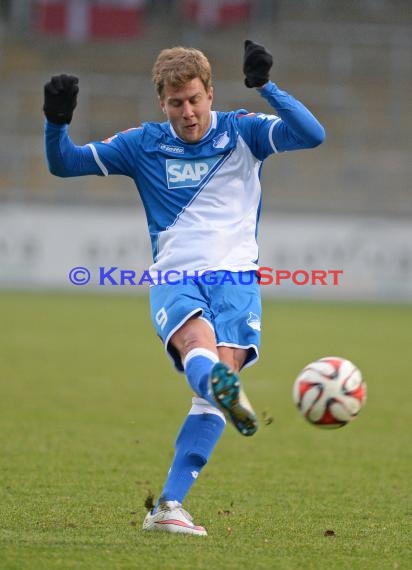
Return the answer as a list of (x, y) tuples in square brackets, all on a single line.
[(176, 522)]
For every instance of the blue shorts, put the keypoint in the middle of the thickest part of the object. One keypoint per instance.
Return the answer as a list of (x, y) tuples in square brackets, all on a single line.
[(229, 302)]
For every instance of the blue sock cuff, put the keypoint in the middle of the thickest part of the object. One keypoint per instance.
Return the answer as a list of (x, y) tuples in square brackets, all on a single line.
[(198, 364)]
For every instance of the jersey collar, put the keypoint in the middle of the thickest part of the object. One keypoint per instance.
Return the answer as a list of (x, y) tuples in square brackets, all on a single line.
[(213, 123)]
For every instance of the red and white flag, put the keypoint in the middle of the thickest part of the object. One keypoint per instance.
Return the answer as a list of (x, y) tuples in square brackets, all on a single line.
[(80, 20), (216, 13)]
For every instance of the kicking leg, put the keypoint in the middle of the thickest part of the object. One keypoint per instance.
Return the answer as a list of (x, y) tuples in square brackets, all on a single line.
[(212, 373)]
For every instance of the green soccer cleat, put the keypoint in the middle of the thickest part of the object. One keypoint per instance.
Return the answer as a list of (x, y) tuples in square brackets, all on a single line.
[(230, 398)]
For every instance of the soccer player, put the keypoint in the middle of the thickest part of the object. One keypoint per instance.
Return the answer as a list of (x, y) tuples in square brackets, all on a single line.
[(198, 176)]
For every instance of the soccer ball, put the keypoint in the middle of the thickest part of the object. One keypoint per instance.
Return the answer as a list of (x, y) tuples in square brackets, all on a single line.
[(330, 392)]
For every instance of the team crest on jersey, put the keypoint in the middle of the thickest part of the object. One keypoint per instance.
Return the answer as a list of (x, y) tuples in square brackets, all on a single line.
[(221, 141), (189, 173), (253, 321)]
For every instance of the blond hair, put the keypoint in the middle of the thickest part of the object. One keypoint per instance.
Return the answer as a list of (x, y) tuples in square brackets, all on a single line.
[(179, 65)]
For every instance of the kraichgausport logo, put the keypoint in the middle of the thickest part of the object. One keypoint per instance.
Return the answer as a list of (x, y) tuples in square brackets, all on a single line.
[(263, 276), (189, 173)]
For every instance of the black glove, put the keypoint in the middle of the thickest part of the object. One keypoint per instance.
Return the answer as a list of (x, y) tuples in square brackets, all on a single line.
[(60, 98), (257, 62)]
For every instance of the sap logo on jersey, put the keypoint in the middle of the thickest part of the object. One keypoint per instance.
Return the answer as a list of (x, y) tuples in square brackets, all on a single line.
[(189, 173)]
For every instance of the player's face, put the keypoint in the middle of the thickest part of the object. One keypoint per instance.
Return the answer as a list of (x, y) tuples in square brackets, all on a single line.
[(188, 109)]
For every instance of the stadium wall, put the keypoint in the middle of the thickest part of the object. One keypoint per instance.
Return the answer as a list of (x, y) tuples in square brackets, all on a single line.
[(361, 258)]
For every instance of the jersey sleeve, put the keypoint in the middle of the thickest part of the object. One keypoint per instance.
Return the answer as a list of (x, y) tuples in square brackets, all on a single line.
[(118, 154), (293, 127), (63, 157), (257, 131), (66, 159)]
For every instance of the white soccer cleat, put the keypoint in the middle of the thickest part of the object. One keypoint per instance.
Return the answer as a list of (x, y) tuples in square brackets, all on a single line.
[(172, 517)]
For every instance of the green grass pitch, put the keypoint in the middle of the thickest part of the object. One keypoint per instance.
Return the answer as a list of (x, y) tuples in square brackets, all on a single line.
[(89, 410)]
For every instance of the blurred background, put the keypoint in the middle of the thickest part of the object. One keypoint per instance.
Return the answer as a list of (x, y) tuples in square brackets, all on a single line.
[(346, 205)]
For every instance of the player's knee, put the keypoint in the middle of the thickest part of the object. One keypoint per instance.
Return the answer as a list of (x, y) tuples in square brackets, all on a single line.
[(195, 333), (189, 342)]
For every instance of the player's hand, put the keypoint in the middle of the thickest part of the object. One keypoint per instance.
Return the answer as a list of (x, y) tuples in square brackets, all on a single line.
[(60, 98), (257, 62)]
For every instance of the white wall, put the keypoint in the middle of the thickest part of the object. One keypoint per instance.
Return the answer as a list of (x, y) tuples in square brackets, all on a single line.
[(39, 246)]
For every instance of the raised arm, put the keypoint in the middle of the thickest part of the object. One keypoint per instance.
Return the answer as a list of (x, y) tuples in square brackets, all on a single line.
[(64, 158), (296, 128)]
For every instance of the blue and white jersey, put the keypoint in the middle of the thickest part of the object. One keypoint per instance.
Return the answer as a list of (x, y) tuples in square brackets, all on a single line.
[(202, 200)]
